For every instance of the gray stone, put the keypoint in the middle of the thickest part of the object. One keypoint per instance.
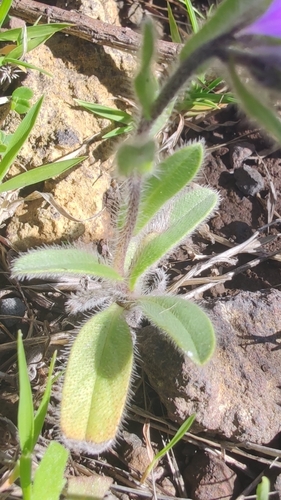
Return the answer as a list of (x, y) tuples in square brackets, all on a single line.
[(237, 394)]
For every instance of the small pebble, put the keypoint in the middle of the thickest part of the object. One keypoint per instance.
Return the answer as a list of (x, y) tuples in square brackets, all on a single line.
[(12, 306), (248, 180)]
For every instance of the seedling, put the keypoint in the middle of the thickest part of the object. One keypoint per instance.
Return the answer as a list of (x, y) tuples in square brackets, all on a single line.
[(159, 208)]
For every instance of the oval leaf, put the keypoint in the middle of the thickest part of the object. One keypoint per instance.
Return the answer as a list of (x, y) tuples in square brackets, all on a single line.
[(184, 322), (97, 381), (189, 210), (171, 176), (59, 262)]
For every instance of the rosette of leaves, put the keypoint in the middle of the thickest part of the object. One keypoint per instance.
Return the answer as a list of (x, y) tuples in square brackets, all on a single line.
[(158, 210)]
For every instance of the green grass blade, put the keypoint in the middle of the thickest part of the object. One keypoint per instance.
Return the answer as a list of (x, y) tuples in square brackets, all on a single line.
[(118, 131), (4, 10), (25, 409), (19, 138), (254, 107), (175, 35), (97, 381), (37, 31), (10, 60), (190, 209), (174, 173), (59, 261), (112, 114), (42, 410), (192, 15), (39, 174), (49, 476), (229, 14), (185, 324), (184, 428)]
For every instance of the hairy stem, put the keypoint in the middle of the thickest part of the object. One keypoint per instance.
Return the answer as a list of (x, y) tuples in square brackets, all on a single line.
[(184, 71), (125, 234)]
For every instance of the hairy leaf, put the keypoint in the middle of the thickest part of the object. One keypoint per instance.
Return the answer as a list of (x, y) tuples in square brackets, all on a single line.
[(97, 381), (171, 176), (145, 82), (189, 210), (48, 479), (136, 158), (184, 322), (59, 261)]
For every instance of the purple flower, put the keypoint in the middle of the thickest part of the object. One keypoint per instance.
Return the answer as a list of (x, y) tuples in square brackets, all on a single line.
[(268, 24)]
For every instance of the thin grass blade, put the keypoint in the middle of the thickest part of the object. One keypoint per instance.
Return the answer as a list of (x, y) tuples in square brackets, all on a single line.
[(39, 174)]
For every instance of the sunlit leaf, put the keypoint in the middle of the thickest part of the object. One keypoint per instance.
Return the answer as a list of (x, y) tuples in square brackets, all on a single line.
[(39, 174), (60, 261), (189, 210), (25, 409), (112, 114), (19, 137), (263, 489), (184, 322), (97, 381), (49, 475), (175, 35), (170, 177)]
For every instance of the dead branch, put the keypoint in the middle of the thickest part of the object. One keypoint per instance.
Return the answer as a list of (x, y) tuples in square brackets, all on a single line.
[(88, 28)]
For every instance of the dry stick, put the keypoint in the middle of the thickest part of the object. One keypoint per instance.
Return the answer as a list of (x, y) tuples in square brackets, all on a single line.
[(89, 29)]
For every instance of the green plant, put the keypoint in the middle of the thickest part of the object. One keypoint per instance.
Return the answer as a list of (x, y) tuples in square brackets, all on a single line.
[(263, 489), (48, 480), (10, 147), (158, 214), (24, 40), (157, 211)]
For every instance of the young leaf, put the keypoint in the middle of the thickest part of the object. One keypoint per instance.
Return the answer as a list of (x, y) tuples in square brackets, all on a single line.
[(59, 261), (184, 428), (115, 115), (25, 410), (184, 322), (48, 480), (263, 489), (175, 172), (97, 381), (138, 158), (145, 82), (254, 107), (42, 410), (39, 174), (189, 210), (19, 137), (175, 35)]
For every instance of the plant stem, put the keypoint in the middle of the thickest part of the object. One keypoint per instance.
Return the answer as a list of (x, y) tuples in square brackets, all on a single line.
[(184, 71), (126, 232)]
